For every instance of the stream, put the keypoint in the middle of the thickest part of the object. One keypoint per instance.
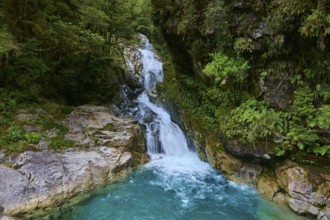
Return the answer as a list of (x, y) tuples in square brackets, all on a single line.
[(175, 184)]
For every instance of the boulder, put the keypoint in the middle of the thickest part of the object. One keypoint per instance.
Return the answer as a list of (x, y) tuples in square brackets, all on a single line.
[(39, 180), (267, 186), (307, 187), (94, 126), (258, 150), (248, 174), (107, 148)]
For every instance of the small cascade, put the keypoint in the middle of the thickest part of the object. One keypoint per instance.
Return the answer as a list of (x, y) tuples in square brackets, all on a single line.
[(162, 134)]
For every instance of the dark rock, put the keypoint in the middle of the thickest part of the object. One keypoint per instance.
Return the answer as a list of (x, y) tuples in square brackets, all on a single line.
[(248, 150), (114, 109), (278, 91), (262, 30)]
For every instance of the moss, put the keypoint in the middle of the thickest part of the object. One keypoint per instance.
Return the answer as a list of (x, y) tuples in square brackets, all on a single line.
[(110, 127), (310, 159), (59, 143)]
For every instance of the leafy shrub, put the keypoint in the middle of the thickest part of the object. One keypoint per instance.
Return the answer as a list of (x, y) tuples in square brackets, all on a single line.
[(302, 137), (59, 143), (223, 69), (244, 44), (253, 121), (32, 138), (14, 134)]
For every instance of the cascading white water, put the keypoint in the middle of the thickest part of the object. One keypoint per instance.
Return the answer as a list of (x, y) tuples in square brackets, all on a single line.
[(176, 184), (163, 135)]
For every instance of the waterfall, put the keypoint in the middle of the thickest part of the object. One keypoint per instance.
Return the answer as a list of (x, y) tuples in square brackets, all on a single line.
[(162, 134), (175, 184)]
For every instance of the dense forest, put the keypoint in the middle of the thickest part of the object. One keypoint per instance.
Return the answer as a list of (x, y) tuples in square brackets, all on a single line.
[(68, 49), (254, 73), (251, 72), (60, 53)]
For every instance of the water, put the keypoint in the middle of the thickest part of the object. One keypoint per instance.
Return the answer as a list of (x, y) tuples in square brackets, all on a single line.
[(176, 184)]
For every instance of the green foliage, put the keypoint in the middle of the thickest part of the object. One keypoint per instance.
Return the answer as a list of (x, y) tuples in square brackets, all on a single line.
[(303, 108), (14, 134), (302, 137), (293, 45), (72, 50), (49, 123), (253, 121), (224, 69), (321, 119), (59, 143), (33, 137), (244, 44), (26, 72)]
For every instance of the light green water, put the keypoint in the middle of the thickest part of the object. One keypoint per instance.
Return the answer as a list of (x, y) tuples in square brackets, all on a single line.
[(178, 188)]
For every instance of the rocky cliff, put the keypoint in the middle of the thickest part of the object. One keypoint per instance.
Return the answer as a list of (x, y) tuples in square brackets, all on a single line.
[(106, 147), (250, 80)]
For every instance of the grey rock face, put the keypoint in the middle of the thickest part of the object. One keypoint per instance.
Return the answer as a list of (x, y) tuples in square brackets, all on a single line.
[(308, 189), (94, 126), (44, 179), (39, 180)]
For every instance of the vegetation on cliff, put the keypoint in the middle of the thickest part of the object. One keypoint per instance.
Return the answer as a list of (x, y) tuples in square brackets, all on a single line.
[(256, 71), (67, 51)]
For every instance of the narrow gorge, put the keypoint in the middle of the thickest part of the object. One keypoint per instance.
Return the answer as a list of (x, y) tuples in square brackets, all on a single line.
[(175, 184), (165, 109)]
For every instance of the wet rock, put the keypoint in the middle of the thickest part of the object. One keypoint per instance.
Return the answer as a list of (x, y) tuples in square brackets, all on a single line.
[(267, 186), (308, 188), (248, 150), (278, 91), (225, 162), (248, 174), (114, 109), (302, 207), (133, 61), (280, 199), (39, 180)]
